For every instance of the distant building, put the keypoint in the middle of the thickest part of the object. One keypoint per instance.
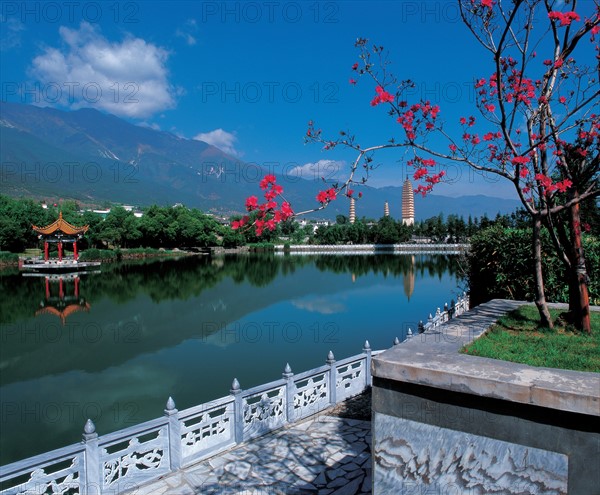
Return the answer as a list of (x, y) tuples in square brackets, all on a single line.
[(352, 215), (408, 203), (386, 209)]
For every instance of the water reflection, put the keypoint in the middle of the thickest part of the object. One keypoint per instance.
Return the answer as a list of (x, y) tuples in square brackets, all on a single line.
[(186, 327), (61, 296)]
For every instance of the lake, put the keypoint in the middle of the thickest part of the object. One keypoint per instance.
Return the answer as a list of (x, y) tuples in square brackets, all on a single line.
[(114, 345)]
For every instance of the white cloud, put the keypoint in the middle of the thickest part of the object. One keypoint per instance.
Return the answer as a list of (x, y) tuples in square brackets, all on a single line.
[(327, 169), (221, 139), (188, 31), (128, 79), (11, 33)]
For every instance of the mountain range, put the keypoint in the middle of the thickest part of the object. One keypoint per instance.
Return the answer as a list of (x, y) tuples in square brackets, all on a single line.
[(94, 158)]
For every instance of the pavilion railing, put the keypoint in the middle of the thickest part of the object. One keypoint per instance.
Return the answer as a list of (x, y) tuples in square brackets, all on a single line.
[(125, 459)]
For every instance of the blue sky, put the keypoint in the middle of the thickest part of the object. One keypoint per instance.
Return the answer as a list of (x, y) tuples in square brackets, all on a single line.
[(245, 76)]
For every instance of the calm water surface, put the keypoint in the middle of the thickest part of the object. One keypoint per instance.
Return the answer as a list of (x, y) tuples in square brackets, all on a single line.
[(115, 347)]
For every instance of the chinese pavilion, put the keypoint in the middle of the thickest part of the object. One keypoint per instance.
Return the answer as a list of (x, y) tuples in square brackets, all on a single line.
[(60, 232)]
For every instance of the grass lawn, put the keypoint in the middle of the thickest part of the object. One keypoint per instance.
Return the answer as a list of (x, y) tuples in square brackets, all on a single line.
[(517, 337)]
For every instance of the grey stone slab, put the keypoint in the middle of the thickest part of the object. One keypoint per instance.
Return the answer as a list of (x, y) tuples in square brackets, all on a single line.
[(350, 488), (338, 482)]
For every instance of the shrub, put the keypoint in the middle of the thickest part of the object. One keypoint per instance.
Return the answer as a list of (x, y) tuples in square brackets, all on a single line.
[(7, 257), (93, 254), (501, 266)]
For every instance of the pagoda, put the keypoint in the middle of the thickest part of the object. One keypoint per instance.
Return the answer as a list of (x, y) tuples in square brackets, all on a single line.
[(60, 232), (408, 203)]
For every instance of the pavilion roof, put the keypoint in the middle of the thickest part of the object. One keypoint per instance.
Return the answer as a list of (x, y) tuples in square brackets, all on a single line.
[(62, 225)]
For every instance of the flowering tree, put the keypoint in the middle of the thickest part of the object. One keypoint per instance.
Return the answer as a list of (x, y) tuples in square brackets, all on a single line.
[(537, 127)]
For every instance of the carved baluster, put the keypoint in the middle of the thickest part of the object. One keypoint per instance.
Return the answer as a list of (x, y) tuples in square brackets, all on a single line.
[(174, 440), (396, 341), (332, 378), (238, 412), (421, 326), (367, 351), (290, 390), (92, 475)]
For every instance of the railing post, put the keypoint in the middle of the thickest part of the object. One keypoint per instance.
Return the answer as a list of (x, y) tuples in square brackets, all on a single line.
[(421, 326), (367, 351), (289, 393), (396, 341), (446, 318), (409, 334), (92, 479), (452, 309), (174, 428), (238, 412), (332, 378)]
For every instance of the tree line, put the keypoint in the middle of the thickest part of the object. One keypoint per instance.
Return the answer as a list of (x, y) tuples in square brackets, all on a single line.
[(159, 227), (181, 227)]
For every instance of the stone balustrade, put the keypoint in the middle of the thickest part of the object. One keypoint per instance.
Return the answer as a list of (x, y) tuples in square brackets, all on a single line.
[(125, 459), (414, 248)]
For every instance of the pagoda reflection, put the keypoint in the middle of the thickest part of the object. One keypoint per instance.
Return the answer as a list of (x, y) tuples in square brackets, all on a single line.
[(62, 295), (408, 277)]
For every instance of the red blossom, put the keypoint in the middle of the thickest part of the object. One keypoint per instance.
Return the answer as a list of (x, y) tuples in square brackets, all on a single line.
[(559, 63), (452, 147), (352, 81), (252, 203), (490, 108), (355, 66), (562, 99), (520, 160), (382, 97), (563, 185), (327, 195), (565, 18), (420, 173), (267, 179)]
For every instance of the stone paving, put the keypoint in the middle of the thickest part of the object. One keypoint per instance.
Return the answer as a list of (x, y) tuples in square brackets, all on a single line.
[(323, 455)]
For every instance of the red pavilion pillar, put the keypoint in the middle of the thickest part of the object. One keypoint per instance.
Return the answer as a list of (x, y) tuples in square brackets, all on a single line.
[(47, 288), (75, 250), (61, 292), (46, 251), (76, 287), (60, 251)]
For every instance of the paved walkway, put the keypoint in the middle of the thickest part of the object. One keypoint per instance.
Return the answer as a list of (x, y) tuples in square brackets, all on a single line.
[(324, 455)]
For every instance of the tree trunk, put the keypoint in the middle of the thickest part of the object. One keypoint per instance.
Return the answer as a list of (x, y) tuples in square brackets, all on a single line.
[(579, 303), (540, 295)]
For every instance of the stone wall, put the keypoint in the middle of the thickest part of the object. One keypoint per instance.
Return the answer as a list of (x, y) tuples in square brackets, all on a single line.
[(448, 423)]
